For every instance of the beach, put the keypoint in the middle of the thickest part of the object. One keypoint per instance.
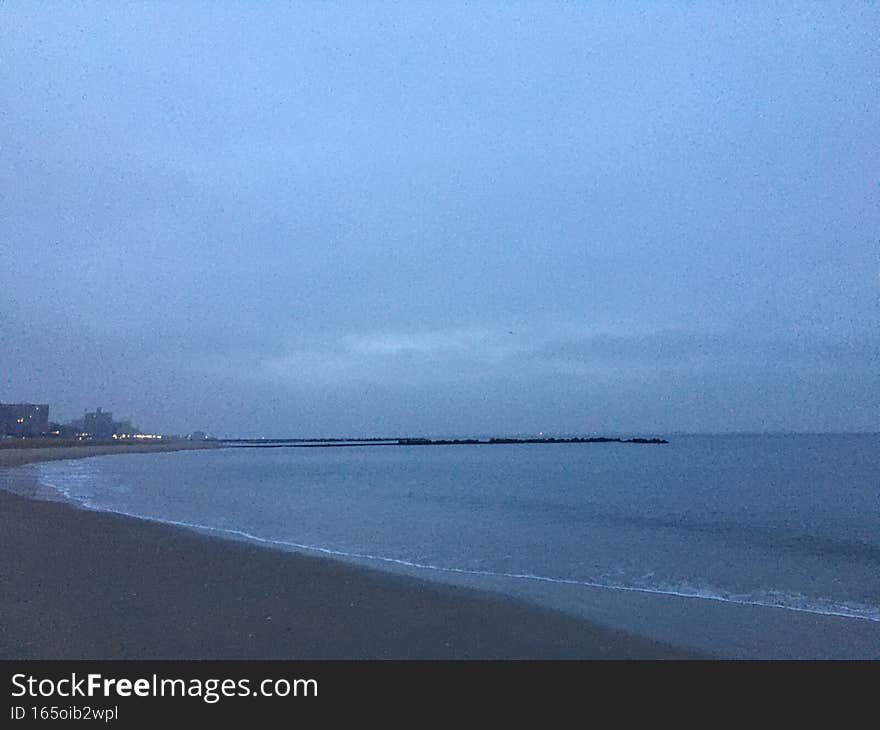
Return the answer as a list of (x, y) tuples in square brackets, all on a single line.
[(16, 452), (82, 584)]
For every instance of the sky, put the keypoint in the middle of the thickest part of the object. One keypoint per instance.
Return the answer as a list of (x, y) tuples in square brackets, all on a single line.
[(442, 218)]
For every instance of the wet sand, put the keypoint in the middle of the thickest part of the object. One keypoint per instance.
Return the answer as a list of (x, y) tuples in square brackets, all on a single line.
[(79, 584)]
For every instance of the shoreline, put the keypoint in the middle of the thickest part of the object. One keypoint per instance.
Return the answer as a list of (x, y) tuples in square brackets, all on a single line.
[(608, 623), (85, 584), (18, 454)]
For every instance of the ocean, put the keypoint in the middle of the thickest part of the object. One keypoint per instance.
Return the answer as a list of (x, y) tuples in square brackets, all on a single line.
[(741, 546)]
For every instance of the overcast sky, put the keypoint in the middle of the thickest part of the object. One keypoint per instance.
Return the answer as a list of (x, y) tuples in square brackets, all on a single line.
[(441, 218)]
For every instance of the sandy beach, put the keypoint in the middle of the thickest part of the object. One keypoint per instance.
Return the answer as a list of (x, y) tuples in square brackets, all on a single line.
[(28, 451), (80, 584)]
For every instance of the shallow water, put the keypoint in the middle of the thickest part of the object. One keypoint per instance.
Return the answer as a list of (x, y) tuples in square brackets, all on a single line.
[(781, 521)]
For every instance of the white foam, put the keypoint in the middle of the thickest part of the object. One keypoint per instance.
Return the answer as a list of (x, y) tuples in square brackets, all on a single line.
[(779, 600), (766, 599)]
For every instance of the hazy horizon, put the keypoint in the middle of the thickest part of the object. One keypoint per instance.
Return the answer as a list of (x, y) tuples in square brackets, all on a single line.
[(348, 219)]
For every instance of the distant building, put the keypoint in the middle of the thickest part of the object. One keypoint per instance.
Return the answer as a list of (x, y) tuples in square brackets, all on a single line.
[(23, 419), (123, 428), (65, 430), (99, 424)]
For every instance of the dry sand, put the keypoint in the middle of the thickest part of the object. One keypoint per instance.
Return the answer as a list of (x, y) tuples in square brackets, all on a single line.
[(18, 452)]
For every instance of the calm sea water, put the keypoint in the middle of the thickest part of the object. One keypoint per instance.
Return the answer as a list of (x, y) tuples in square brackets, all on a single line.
[(784, 521)]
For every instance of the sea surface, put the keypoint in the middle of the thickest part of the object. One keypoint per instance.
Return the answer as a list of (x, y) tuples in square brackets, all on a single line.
[(704, 524)]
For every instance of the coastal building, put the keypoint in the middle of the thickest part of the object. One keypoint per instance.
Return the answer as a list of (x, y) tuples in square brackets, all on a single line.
[(65, 430), (99, 424), (123, 428), (23, 419)]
